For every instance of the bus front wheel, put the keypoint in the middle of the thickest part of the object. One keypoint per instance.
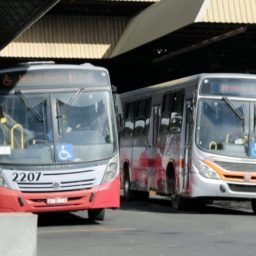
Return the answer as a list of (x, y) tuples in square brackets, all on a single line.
[(128, 193), (178, 203), (96, 214)]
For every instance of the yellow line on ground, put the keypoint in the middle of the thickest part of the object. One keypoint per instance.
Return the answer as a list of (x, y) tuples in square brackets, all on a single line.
[(76, 230)]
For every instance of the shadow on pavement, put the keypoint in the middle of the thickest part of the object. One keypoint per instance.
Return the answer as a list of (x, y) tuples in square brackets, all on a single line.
[(62, 219), (165, 206), (155, 205)]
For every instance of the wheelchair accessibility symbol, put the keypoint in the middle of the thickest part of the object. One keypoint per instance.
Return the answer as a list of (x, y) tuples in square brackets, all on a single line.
[(65, 152)]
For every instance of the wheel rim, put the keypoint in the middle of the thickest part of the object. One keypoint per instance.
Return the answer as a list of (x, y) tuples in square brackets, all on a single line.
[(126, 188)]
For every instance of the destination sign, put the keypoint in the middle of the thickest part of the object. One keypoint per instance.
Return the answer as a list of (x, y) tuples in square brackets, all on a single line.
[(51, 77), (237, 87)]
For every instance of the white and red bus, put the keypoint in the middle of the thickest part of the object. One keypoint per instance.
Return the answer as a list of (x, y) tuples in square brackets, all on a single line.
[(192, 138), (58, 139)]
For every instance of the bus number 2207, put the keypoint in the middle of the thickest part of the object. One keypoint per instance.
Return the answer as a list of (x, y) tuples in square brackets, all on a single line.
[(26, 176)]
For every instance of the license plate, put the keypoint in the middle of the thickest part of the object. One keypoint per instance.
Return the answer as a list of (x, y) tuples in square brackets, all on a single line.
[(57, 200)]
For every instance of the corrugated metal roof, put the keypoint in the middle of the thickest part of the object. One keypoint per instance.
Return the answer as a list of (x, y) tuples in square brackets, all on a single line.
[(230, 11), (16, 16), (68, 37), (95, 37)]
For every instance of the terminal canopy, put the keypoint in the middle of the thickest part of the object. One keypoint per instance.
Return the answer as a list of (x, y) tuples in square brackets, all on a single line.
[(170, 16), (158, 20), (17, 16)]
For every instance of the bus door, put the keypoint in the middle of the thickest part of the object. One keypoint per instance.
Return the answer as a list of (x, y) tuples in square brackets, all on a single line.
[(152, 151), (140, 145), (187, 146)]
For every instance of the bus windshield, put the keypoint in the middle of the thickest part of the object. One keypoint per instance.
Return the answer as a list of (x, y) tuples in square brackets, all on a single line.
[(45, 128), (224, 127)]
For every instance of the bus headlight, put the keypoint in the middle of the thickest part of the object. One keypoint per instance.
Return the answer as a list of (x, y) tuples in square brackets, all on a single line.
[(208, 172), (112, 170), (3, 182)]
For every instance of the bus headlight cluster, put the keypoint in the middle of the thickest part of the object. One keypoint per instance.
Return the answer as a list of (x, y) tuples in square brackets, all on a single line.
[(207, 172), (112, 170), (3, 182)]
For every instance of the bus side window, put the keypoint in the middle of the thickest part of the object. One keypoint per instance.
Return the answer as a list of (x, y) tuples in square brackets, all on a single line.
[(165, 116), (172, 112), (142, 115), (139, 118), (147, 115), (176, 112), (128, 119)]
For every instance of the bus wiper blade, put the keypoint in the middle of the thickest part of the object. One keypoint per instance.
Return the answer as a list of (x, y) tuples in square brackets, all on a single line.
[(231, 105), (70, 101), (29, 106)]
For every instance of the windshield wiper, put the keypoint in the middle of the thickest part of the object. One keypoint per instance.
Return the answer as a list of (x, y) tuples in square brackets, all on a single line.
[(68, 104), (231, 105), (29, 106)]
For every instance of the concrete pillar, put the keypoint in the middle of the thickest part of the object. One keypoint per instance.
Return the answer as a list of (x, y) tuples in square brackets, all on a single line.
[(18, 234)]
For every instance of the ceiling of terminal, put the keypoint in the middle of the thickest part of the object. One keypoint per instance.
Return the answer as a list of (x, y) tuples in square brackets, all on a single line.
[(196, 48), (97, 7), (16, 16), (209, 38)]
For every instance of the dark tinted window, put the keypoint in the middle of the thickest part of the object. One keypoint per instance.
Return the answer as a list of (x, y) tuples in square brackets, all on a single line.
[(142, 112), (172, 112), (128, 119)]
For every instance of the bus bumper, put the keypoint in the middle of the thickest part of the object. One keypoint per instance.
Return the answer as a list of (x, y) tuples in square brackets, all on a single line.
[(103, 196), (203, 187)]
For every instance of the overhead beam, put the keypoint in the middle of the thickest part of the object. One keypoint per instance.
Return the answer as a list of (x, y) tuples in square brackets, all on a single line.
[(201, 44)]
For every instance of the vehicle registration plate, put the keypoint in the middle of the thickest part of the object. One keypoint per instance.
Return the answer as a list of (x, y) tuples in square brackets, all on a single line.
[(57, 200)]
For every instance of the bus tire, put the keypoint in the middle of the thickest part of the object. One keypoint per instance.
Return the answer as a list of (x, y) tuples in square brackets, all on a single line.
[(170, 180), (253, 204), (96, 214), (178, 203), (128, 194)]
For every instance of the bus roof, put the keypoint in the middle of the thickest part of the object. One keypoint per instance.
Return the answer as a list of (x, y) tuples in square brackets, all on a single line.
[(47, 74), (50, 65), (182, 82)]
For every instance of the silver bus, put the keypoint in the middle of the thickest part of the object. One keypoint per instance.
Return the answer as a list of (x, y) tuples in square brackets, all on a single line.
[(193, 139)]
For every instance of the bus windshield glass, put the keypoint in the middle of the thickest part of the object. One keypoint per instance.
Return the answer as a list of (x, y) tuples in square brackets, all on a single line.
[(57, 127), (226, 127)]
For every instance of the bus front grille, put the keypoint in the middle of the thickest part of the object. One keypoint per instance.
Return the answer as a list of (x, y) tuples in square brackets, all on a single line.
[(239, 167), (56, 186), (242, 188), (62, 181), (29, 181)]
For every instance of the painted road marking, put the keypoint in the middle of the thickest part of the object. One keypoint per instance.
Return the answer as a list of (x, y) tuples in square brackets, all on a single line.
[(84, 230)]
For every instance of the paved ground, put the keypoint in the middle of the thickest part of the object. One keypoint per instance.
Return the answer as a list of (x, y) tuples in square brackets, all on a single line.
[(150, 228)]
